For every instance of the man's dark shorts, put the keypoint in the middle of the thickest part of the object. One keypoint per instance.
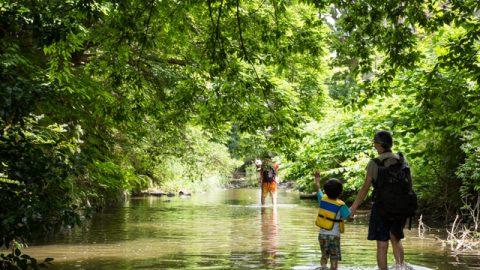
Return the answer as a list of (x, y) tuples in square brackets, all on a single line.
[(380, 228)]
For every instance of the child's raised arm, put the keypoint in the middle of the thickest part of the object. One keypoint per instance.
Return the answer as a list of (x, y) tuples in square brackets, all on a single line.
[(317, 179)]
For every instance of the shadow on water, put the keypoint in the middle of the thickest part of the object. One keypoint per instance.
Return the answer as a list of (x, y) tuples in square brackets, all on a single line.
[(223, 230)]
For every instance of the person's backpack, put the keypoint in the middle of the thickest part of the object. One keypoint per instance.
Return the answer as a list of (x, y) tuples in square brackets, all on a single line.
[(269, 174), (394, 196)]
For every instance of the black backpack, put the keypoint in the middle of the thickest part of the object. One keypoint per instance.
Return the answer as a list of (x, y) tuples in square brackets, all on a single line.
[(269, 174), (393, 193)]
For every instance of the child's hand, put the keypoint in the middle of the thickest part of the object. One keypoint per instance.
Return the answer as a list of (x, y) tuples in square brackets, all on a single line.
[(317, 179), (350, 218)]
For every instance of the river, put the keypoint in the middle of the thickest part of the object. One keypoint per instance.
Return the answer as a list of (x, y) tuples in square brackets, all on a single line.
[(225, 229)]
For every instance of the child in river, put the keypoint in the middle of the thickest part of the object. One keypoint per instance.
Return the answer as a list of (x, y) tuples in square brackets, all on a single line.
[(331, 218)]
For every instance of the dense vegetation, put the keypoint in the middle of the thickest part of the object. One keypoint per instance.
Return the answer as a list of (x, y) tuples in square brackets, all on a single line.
[(413, 69), (99, 97)]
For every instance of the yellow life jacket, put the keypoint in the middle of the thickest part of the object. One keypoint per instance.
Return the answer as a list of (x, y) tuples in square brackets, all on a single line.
[(327, 214)]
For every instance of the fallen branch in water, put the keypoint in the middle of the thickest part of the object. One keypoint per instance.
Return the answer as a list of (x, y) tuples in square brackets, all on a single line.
[(466, 236), (422, 227)]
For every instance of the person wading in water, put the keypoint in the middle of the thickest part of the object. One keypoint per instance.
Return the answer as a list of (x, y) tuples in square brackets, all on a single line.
[(393, 197), (268, 179)]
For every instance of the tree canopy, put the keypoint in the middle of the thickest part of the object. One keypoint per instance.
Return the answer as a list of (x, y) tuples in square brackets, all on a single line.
[(97, 97)]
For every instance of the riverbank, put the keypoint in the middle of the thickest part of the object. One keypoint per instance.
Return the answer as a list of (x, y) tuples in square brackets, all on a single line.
[(159, 193)]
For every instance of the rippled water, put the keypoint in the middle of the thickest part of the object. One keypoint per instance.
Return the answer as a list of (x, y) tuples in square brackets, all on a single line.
[(224, 230)]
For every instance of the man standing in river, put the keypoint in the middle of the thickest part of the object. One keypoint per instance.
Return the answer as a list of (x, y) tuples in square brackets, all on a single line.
[(380, 228), (268, 179)]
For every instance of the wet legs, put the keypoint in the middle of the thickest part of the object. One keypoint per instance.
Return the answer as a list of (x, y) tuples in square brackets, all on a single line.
[(397, 249), (273, 195), (382, 248)]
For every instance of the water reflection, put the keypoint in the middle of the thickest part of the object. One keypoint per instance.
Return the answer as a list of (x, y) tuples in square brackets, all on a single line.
[(269, 235)]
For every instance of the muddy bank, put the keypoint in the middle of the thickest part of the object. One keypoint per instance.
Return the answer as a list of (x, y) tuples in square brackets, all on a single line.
[(159, 193)]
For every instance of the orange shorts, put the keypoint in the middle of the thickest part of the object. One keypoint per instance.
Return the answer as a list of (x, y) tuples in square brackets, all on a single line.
[(269, 187)]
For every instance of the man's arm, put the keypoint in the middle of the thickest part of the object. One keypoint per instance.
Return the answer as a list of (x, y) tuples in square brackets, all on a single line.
[(361, 194)]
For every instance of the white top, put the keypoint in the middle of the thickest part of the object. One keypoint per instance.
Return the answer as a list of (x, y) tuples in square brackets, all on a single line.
[(335, 231)]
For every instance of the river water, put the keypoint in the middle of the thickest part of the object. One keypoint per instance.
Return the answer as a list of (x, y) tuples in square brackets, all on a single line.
[(225, 229)]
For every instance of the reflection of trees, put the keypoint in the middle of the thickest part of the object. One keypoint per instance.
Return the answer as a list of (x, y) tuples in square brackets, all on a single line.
[(269, 235)]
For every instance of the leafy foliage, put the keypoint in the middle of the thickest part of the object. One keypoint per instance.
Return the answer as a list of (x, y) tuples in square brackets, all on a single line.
[(38, 159), (18, 261), (102, 97), (99, 97), (408, 67)]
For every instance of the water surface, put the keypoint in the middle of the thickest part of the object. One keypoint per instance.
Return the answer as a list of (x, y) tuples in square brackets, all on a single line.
[(225, 229)]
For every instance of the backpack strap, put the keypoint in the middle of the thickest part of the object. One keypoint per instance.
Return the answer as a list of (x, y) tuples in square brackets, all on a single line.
[(409, 173), (378, 162)]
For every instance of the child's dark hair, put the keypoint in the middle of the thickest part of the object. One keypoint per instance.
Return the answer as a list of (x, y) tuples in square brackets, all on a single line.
[(333, 188)]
